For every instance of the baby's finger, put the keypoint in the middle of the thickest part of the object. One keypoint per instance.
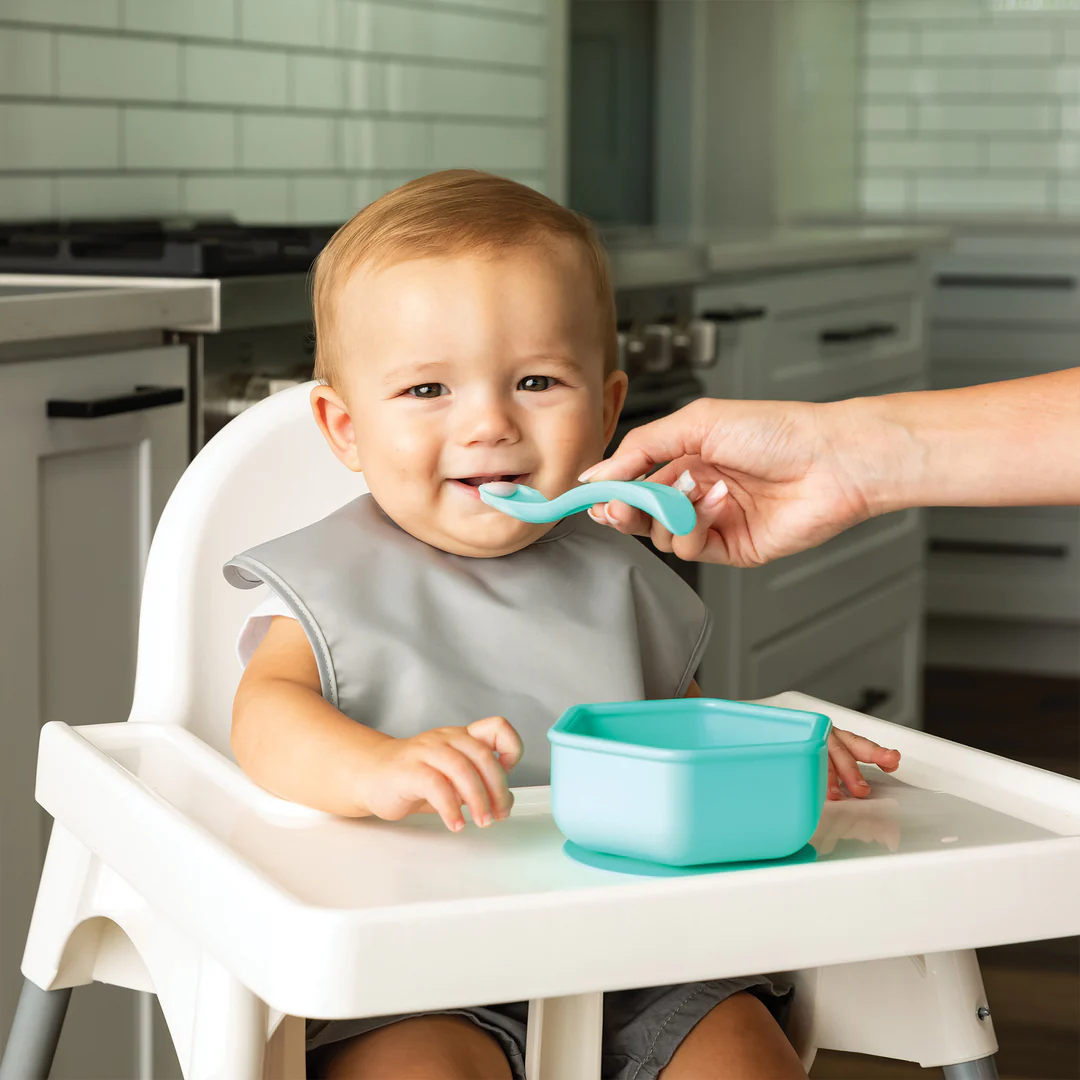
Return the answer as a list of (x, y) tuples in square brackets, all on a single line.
[(431, 786), (459, 769), (834, 784), (491, 774), (863, 749), (500, 735), (847, 768)]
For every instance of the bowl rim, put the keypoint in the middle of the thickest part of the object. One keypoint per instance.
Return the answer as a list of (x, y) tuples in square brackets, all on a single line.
[(817, 729)]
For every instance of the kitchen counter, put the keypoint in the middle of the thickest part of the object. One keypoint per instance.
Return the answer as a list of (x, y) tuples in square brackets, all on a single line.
[(39, 307), (785, 248), (995, 235), (1005, 222), (47, 307), (644, 257)]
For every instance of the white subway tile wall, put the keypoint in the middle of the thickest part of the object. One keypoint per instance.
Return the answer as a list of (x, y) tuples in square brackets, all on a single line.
[(968, 106), (270, 110)]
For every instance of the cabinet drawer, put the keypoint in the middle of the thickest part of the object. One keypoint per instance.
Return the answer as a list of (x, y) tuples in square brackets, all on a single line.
[(814, 289), (866, 656), (1014, 288), (840, 352), (791, 591), (1013, 563), (984, 352)]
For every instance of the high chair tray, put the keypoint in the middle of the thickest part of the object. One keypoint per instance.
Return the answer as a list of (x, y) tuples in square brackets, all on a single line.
[(328, 917)]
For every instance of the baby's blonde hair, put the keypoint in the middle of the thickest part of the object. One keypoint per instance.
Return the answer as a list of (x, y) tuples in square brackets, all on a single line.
[(449, 213)]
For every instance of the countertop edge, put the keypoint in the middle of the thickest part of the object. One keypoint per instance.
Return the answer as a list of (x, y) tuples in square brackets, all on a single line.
[(90, 306)]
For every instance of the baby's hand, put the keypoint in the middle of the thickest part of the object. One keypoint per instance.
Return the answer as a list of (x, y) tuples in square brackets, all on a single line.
[(441, 770), (845, 750)]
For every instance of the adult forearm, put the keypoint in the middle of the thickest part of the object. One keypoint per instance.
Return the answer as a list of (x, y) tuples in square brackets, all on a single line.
[(295, 744), (1002, 444)]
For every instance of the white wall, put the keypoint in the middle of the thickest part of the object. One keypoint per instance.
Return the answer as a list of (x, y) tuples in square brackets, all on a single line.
[(274, 110), (971, 106)]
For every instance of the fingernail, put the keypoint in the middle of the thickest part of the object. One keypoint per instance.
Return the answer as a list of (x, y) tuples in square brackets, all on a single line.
[(861, 784), (591, 512), (485, 821), (714, 495), (588, 472), (458, 826), (609, 518), (685, 483)]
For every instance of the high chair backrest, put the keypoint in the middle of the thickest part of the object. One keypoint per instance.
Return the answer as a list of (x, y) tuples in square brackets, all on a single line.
[(268, 472)]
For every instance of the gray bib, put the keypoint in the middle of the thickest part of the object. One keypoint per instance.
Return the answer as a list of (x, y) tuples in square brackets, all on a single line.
[(408, 637)]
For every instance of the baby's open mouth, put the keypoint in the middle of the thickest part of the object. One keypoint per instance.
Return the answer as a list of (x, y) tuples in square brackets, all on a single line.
[(490, 478), (470, 485)]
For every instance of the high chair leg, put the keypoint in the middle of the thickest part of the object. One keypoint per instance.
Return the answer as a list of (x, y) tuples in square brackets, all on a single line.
[(35, 1033), (931, 1009), (982, 1069), (563, 1039), (228, 1040), (285, 1052)]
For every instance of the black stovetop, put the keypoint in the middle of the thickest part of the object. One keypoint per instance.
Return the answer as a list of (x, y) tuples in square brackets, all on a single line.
[(159, 248)]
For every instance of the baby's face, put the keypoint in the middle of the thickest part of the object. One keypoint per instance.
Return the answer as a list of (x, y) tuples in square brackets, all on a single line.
[(460, 370)]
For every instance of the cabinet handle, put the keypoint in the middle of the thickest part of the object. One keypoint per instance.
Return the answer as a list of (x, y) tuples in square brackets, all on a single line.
[(857, 333), (143, 397), (1058, 282), (992, 547), (872, 697), (735, 314)]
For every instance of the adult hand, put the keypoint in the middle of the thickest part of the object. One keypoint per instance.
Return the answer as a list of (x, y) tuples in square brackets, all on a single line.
[(769, 479)]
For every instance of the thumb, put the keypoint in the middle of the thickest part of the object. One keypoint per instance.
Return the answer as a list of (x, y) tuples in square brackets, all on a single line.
[(675, 436)]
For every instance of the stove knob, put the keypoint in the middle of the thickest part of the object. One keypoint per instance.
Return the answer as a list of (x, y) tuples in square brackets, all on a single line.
[(629, 347), (704, 343), (659, 348)]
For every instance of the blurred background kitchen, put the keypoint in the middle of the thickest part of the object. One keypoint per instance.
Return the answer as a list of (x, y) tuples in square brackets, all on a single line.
[(804, 199)]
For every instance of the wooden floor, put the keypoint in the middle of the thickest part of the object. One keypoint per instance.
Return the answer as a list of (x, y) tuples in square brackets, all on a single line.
[(1033, 990)]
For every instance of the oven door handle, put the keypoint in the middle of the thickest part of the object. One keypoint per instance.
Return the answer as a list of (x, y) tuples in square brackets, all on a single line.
[(845, 334), (735, 314), (143, 397)]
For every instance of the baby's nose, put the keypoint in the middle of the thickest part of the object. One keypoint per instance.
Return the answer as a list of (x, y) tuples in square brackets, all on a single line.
[(490, 421)]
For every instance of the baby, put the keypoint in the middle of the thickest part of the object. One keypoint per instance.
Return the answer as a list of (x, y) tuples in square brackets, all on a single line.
[(418, 644)]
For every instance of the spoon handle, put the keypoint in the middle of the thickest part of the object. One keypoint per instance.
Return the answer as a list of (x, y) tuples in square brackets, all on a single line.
[(669, 506)]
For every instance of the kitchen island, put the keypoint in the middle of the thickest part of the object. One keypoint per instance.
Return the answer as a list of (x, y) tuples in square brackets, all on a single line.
[(94, 433)]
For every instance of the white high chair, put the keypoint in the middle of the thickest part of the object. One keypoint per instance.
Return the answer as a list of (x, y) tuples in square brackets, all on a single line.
[(169, 871)]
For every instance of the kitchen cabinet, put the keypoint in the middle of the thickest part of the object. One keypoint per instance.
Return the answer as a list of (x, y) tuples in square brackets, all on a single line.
[(843, 621), (80, 499), (1004, 583)]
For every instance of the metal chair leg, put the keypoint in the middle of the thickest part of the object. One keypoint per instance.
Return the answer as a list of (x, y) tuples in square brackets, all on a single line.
[(982, 1069), (35, 1033)]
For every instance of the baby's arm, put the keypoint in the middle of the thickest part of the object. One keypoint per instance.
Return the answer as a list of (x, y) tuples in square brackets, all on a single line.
[(293, 742)]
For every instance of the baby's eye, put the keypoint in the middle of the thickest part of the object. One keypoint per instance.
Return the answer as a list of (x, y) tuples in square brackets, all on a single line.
[(427, 390), (537, 382)]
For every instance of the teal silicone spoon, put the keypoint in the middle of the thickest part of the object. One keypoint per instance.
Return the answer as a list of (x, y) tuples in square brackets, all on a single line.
[(668, 505)]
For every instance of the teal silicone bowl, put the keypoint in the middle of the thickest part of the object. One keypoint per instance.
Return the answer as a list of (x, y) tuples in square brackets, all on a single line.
[(689, 781)]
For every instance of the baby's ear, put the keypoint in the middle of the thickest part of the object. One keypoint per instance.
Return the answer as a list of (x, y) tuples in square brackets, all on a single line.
[(335, 422), (614, 396)]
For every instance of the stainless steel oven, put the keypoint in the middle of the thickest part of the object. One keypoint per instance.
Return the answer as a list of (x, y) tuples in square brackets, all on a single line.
[(663, 348)]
